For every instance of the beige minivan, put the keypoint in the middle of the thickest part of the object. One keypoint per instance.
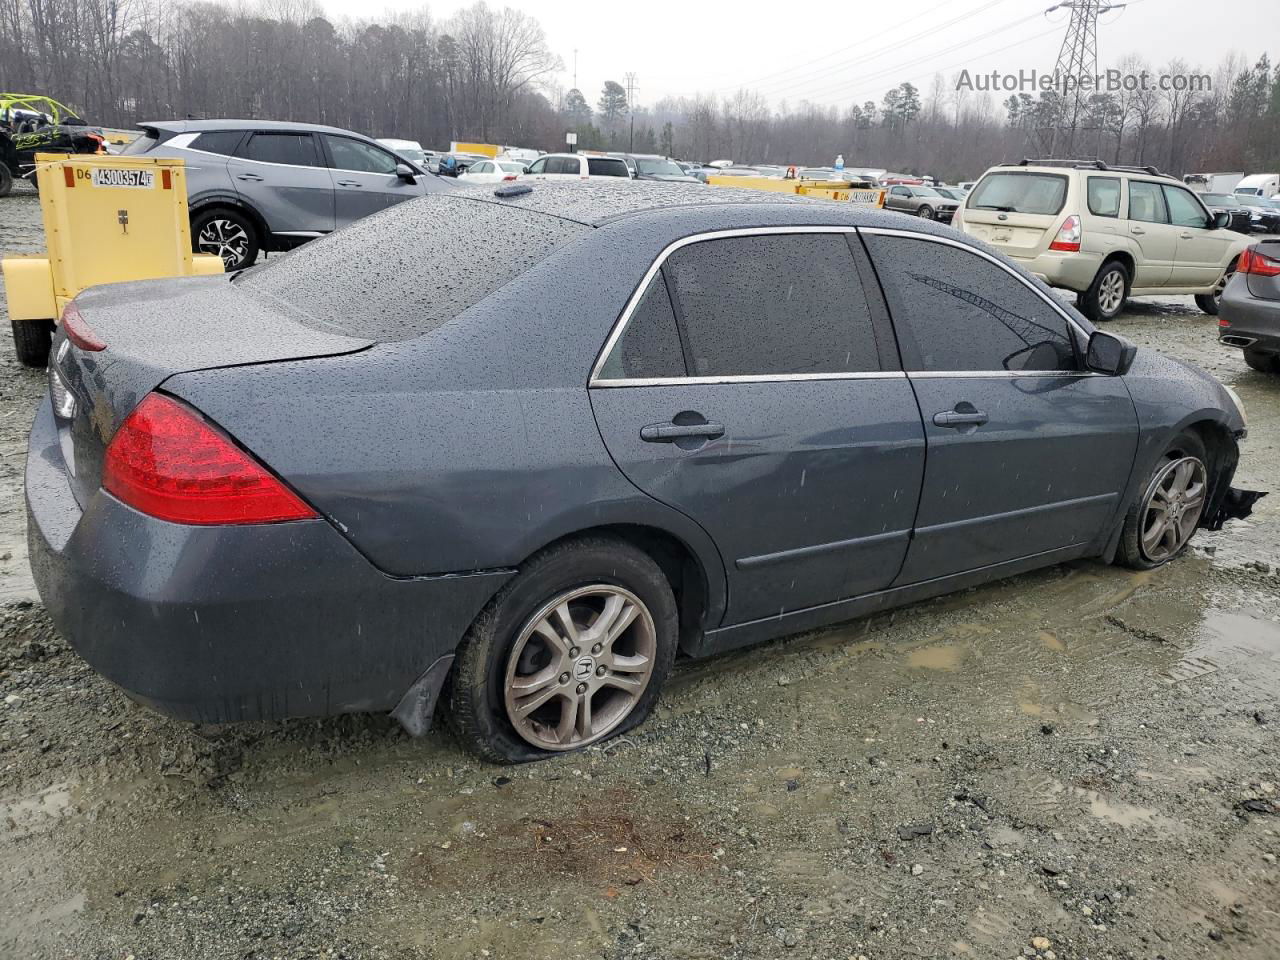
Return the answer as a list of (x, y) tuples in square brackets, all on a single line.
[(1106, 232)]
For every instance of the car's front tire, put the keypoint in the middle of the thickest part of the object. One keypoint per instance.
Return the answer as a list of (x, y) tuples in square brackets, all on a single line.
[(1106, 295), (925, 213), (1163, 519), (1210, 303), (228, 233), (572, 651)]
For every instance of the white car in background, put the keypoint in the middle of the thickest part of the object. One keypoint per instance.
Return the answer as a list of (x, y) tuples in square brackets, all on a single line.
[(576, 166), (492, 171), (411, 150)]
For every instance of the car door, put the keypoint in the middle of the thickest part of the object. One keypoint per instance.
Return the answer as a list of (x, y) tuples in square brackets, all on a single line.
[(1201, 251), (364, 178), (282, 174), (481, 172), (1150, 231), (1027, 452), (899, 198), (751, 386)]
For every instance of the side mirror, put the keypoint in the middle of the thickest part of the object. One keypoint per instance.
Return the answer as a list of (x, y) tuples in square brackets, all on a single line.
[(406, 173), (1109, 354), (1220, 220)]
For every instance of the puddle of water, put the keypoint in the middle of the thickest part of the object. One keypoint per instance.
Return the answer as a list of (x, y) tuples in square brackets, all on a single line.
[(1231, 640), (37, 810), (1051, 641), (941, 657)]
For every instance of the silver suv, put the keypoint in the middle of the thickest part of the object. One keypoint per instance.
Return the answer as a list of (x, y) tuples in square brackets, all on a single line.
[(257, 185), (1106, 232)]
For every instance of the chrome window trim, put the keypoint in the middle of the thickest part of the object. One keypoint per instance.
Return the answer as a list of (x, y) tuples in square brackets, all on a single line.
[(620, 325)]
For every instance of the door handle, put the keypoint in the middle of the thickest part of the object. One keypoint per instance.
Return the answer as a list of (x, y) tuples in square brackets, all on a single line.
[(956, 418), (1138, 231), (249, 176), (348, 183), (667, 432), (1186, 236)]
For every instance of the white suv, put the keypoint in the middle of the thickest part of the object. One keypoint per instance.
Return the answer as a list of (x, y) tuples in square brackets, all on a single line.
[(576, 166), (1107, 233)]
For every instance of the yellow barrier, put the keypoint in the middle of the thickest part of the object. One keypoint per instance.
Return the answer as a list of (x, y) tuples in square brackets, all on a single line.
[(107, 219), (840, 190)]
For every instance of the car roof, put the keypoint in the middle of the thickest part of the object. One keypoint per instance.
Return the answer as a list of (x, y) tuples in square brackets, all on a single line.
[(192, 126), (597, 202)]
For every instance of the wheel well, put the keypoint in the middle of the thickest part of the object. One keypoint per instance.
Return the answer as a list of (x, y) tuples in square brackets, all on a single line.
[(1220, 448), (1124, 260), (679, 564)]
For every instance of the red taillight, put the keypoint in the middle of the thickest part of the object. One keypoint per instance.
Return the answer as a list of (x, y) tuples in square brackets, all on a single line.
[(509, 176), (1068, 238), (168, 461), (1257, 263), (78, 331)]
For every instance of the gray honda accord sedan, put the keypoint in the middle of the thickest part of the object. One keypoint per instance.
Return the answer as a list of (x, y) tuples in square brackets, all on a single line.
[(609, 424)]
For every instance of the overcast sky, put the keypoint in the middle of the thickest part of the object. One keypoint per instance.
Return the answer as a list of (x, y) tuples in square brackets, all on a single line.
[(820, 52)]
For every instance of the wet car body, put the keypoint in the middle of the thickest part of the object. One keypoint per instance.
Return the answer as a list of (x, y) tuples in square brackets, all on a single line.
[(439, 461), (1250, 314)]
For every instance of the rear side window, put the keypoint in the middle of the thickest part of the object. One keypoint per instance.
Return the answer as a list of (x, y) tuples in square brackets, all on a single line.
[(295, 149), (1035, 193), (955, 311), (607, 167), (650, 345), (222, 142), (407, 270), (1146, 202), (781, 304), (1104, 196), (563, 165)]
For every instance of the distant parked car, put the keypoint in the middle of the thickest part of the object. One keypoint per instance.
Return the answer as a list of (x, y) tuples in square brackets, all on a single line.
[(492, 171), (579, 166), (649, 166), (346, 483), (1249, 316), (1240, 215), (953, 193), (1264, 215), (257, 185), (411, 150), (1106, 232), (921, 201)]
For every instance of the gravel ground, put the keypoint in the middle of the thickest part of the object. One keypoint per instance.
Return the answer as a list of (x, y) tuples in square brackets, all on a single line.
[(1078, 763)]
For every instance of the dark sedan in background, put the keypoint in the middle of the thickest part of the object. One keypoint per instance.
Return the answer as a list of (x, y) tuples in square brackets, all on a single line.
[(1249, 317), (654, 418), (1241, 219)]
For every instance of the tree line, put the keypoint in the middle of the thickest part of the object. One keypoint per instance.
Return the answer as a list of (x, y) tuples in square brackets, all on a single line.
[(489, 74)]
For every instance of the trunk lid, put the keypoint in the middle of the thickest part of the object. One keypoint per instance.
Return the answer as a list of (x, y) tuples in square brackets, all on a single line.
[(1263, 287), (154, 329), (1017, 212)]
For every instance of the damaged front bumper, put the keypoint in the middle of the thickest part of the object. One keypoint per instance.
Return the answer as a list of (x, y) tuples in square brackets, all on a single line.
[(1236, 504)]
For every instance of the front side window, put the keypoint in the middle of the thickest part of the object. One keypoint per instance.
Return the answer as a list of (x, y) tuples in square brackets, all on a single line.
[(956, 311), (650, 345), (294, 149), (354, 155), (1184, 209), (1146, 202), (771, 304), (1104, 196), (539, 166), (564, 165)]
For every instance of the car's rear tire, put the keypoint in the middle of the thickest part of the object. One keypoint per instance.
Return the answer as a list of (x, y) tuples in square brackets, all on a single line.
[(1262, 362), (523, 672), (1210, 303), (925, 213), (1106, 295), (6, 180), (32, 340), (1164, 517), (227, 232)]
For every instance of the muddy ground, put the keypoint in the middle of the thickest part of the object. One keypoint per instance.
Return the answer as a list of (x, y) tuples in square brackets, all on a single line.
[(1084, 755)]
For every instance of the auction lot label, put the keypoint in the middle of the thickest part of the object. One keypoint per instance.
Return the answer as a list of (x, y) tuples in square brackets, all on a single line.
[(137, 179)]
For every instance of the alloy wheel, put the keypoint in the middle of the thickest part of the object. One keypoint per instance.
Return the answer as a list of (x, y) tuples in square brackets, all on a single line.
[(579, 667), (1221, 285), (1173, 508), (1111, 293), (227, 239), (925, 213)]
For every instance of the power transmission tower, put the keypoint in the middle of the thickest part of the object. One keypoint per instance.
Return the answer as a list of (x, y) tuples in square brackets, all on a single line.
[(631, 108), (1077, 58)]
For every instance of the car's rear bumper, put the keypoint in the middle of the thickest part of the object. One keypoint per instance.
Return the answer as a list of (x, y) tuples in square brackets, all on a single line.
[(218, 624), (1072, 271), (1246, 321)]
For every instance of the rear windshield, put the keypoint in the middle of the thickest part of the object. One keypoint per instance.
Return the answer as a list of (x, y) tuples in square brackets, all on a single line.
[(1042, 193), (408, 270), (607, 167), (145, 142)]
